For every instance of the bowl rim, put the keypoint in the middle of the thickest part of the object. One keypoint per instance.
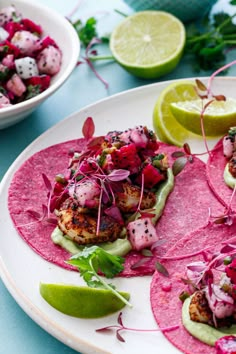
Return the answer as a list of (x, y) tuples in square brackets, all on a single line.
[(74, 57)]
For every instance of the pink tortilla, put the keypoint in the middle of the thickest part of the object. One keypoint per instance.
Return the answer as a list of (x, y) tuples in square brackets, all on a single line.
[(167, 302), (185, 211), (215, 168)]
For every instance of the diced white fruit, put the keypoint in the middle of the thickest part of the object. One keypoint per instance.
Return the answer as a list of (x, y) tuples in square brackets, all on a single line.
[(3, 34), (26, 67), (7, 14), (26, 41), (142, 233)]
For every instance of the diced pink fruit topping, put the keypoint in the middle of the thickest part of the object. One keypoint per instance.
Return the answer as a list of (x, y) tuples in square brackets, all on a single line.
[(142, 233), (151, 175), (4, 100), (7, 14), (127, 158), (87, 193), (49, 60), (9, 48), (16, 85), (13, 27), (27, 42), (226, 345), (46, 41), (31, 26), (42, 81), (8, 61)]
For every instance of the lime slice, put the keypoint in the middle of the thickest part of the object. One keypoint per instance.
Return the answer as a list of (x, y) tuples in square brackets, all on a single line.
[(81, 301), (166, 126), (148, 44), (218, 117)]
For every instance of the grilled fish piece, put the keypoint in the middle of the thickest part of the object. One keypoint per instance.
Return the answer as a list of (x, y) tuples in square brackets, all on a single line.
[(82, 227), (127, 200), (199, 309)]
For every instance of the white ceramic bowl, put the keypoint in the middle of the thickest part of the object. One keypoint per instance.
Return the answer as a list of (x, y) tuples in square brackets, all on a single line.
[(63, 33)]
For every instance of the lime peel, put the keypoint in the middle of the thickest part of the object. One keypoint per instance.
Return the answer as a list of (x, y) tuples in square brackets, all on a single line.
[(82, 301)]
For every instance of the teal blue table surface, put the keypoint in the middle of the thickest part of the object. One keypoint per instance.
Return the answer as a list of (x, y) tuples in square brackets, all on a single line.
[(18, 333)]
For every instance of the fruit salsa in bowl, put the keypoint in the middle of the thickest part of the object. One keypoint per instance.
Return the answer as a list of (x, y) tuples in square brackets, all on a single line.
[(38, 51)]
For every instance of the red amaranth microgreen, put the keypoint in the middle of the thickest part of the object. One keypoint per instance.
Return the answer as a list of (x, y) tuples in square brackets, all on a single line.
[(88, 128), (121, 327)]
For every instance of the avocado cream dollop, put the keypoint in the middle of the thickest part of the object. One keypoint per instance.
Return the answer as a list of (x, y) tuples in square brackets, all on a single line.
[(120, 247), (202, 331), (228, 178)]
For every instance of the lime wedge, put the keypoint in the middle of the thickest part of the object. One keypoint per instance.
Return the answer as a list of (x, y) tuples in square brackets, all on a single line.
[(81, 301), (148, 44), (218, 117), (166, 126)]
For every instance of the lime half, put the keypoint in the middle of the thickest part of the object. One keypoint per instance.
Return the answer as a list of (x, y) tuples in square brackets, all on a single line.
[(81, 301), (218, 117), (166, 126), (148, 44)]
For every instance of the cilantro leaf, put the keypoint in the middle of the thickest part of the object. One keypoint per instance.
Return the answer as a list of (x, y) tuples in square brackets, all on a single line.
[(93, 260), (87, 31)]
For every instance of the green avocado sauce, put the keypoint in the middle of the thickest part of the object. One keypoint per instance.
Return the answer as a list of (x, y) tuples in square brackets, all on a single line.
[(228, 178), (202, 331), (120, 247)]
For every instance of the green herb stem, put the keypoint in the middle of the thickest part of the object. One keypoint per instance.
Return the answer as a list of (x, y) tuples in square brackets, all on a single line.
[(101, 57), (107, 286)]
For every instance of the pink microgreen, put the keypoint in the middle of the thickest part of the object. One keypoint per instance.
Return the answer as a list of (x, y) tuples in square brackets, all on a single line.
[(118, 175), (121, 327), (47, 182), (88, 128), (187, 148)]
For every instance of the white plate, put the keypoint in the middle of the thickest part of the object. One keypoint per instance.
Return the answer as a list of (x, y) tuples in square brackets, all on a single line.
[(21, 269)]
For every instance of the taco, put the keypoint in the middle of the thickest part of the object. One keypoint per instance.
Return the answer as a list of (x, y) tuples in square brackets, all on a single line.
[(33, 186), (187, 264), (221, 169)]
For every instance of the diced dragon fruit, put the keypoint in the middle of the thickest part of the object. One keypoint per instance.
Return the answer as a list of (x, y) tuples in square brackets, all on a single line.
[(27, 42), (138, 136), (87, 193), (127, 158), (16, 85), (226, 345), (7, 14), (151, 175), (26, 67), (49, 60), (4, 100), (142, 233), (47, 41), (31, 26), (9, 61), (9, 48), (42, 81), (13, 27), (3, 34)]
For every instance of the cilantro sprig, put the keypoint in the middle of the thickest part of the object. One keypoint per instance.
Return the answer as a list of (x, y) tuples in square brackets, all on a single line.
[(207, 43), (93, 260)]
